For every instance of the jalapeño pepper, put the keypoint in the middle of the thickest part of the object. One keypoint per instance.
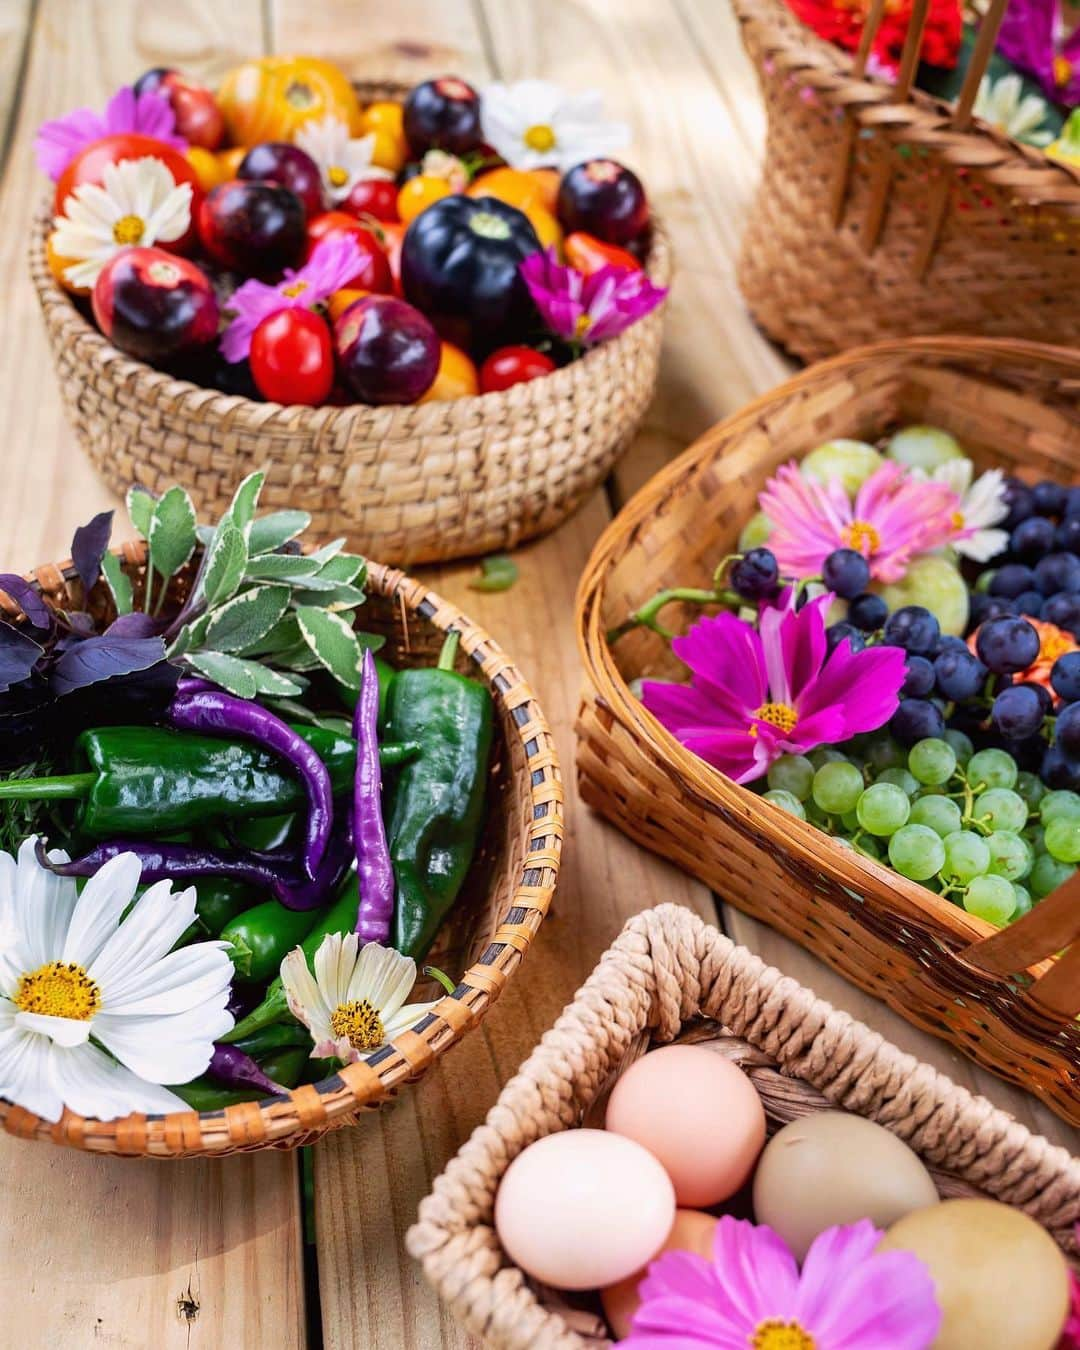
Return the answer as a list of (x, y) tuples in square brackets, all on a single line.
[(436, 802), (261, 937)]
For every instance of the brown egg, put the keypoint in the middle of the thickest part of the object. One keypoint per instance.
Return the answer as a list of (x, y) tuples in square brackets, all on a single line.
[(692, 1231), (833, 1168), (1001, 1281)]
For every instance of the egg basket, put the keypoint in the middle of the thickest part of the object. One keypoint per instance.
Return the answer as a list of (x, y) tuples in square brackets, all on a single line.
[(413, 483), (883, 212), (489, 930), (669, 976), (1011, 404)]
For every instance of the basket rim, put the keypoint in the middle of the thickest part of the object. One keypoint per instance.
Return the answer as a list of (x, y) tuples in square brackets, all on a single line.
[(829, 70), (313, 1108), (692, 775)]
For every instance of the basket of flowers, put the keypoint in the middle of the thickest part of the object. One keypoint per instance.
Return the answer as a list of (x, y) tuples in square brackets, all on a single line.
[(831, 656), (921, 171), (701, 1153), (432, 316), (233, 823)]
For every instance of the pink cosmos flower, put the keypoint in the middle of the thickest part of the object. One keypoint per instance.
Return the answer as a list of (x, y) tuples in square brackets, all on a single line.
[(848, 1296), (588, 309), (1070, 1333), (893, 517), (334, 261), (757, 694), (150, 114)]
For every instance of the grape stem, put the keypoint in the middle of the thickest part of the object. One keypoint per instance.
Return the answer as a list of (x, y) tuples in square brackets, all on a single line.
[(647, 615)]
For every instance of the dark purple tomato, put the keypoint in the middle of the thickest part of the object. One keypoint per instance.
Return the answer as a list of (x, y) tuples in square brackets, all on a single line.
[(198, 117), (387, 351), (604, 199), (253, 228), (153, 305), (289, 166), (443, 114)]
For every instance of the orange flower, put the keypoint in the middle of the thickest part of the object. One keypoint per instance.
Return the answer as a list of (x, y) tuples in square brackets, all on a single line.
[(1053, 642)]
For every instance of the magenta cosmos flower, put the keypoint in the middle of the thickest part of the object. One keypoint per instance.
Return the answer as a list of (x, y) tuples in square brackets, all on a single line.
[(751, 1296), (334, 261), (588, 309), (893, 517), (150, 114), (757, 694)]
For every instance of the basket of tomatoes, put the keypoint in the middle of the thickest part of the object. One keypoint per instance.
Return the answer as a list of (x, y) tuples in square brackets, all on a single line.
[(433, 314)]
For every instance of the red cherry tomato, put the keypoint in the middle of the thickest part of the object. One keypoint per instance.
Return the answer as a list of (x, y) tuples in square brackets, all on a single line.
[(392, 236), (513, 365), (374, 273), (198, 117), (376, 197), (292, 357)]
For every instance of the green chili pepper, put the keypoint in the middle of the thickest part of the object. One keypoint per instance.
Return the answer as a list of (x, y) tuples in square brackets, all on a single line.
[(262, 936), (277, 1036), (203, 1094), (437, 800), (220, 901), (284, 1066), (317, 1069)]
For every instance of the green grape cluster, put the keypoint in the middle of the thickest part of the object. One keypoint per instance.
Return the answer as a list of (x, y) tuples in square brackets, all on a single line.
[(968, 825)]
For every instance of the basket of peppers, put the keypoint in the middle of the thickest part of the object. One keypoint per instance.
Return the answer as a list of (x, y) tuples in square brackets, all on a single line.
[(245, 789), (432, 313)]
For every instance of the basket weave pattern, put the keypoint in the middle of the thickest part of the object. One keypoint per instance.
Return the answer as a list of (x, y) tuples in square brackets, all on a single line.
[(884, 215), (666, 968), (490, 928), (1009, 404)]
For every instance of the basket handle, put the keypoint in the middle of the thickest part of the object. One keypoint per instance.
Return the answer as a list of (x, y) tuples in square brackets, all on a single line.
[(1052, 926)]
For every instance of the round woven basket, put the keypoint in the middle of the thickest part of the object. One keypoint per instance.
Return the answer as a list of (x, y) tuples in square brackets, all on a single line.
[(409, 484), (490, 928), (670, 976), (1009, 404), (883, 212)]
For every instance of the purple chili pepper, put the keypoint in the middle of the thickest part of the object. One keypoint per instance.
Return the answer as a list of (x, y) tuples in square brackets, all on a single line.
[(374, 873), (232, 1068), (193, 684), (217, 713)]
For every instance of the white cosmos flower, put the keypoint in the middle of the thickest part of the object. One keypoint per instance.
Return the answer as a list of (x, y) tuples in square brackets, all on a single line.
[(140, 204), (1004, 105), (982, 506), (342, 162), (75, 967), (356, 1001), (536, 125)]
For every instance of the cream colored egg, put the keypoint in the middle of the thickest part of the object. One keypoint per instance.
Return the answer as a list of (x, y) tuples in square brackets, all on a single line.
[(833, 1168), (692, 1231), (1001, 1281), (583, 1209)]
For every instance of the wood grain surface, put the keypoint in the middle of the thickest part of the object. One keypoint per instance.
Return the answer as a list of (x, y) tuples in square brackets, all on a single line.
[(207, 1254)]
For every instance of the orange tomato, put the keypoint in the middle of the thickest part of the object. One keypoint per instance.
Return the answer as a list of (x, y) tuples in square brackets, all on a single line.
[(388, 152), (548, 230), (549, 180), (268, 98), (230, 161), (587, 254), (457, 376), (418, 194), (340, 301), (385, 120), (208, 167), (513, 186), (57, 265)]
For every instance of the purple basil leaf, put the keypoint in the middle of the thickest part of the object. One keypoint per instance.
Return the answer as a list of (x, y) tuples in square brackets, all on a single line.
[(82, 625), (28, 598), (136, 625), (18, 655), (87, 547), (102, 658)]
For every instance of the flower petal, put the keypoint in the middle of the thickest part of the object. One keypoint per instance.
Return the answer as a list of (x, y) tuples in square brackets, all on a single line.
[(165, 1049), (65, 1031), (383, 976), (178, 982), (334, 963), (43, 907), (97, 911), (155, 924), (726, 654), (93, 1085), (305, 998)]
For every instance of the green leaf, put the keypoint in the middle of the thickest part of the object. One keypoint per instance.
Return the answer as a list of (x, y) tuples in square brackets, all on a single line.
[(328, 551), (246, 497), (270, 532), (274, 683), (225, 564), (287, 567), (497, 573), (172, 532), (190, 637), (333, 642), (372, 642), (300, 712), (247, 618), (140, 506), (118, 582), (234, 675), (298, 658), (206, 534), (284, 635), (333, 597), (345, 567)]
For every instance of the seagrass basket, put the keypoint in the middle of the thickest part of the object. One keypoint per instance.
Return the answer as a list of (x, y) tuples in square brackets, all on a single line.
[(1008, 403), (489, 930), (883, 212), (670, 976), (413, 483)]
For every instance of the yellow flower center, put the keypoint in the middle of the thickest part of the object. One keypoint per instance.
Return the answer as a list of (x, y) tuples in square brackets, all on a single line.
[(1062, 69), (861, 536), (128, 229), (957, 520), (781, 715), (337, 175), (776, 1335), (582, 326), (1054, 643), (359, 1023), (59, 990), (294, 288), (540, 137)]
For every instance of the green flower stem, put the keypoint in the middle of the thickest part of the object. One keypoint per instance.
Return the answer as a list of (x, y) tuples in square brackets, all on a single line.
[(647, 615)]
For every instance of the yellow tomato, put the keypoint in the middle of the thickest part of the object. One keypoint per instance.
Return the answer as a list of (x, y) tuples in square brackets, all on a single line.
[(384, 114), (340, 301), (268, 98), (548, 180), (389, 151), (457, 376), (57, 265), (229, 161), (513, 186), (418, 194), (548, 230), (209, 169)]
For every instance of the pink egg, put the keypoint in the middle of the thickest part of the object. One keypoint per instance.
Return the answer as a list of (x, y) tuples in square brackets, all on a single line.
[(698, 1114), (583, 1209)]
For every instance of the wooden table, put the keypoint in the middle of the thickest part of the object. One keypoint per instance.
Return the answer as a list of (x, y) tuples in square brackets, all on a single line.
[(205, 1254)]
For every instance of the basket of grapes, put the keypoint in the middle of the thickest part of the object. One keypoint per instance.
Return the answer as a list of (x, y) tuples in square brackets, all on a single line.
[(834, 671)]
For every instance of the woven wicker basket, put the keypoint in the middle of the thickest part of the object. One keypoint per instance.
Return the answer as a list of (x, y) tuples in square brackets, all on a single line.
[(667, 969), (409, 484), (1011, 404), (496, 917), (883, 212)]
